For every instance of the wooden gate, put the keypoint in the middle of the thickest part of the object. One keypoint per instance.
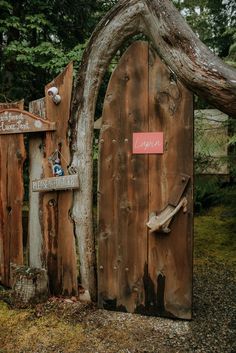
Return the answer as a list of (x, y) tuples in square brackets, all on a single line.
[(140, 269)]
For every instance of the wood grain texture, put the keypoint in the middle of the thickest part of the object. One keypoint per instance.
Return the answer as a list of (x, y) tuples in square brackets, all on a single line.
[(36, 143), (12, 157), (58, 227), (123, 202), (138, 271), (170, 255)]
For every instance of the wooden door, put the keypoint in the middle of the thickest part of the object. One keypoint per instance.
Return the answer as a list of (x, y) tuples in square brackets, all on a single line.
[(140, 270)]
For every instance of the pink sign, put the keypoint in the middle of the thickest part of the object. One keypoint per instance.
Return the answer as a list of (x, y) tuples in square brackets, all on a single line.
[(147, 142)]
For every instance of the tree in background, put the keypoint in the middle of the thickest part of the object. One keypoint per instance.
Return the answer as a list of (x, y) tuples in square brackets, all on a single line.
[(213, 20), (215, 23), (38, 39)]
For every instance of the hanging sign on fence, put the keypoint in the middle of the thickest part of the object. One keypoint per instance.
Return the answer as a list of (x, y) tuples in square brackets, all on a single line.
[(56, 183), (147, 142), (16, 121)]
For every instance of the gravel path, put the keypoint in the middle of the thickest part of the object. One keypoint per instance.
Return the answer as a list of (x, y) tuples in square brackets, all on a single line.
[(213, 328)]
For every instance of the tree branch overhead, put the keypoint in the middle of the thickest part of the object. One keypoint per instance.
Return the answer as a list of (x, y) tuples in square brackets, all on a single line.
[(194, 64)]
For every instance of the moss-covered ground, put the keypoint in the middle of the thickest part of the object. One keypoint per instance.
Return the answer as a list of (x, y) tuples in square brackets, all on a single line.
[(63, 327), (28, 331), (215, 230)]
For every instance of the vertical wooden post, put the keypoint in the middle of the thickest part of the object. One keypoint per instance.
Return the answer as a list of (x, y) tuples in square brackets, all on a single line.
[(12, 157), (36, 247), (58, 227)]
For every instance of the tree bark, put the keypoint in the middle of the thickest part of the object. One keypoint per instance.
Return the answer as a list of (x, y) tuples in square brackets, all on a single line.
[(189, 59), (194, 64)]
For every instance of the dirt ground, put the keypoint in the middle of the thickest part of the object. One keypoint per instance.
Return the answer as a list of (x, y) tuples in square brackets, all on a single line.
[(68, 326)]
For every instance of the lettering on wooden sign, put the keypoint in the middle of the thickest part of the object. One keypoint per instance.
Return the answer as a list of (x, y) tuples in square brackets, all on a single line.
[(147, 142), (56, 183), (16, 121)]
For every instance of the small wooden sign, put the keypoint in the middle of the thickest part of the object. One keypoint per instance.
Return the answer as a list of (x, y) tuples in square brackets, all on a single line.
[(147, 142), (16, 121), (56, 183)]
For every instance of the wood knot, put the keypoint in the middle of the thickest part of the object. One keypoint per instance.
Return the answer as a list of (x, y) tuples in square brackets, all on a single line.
[(52, 203), (19, 155)]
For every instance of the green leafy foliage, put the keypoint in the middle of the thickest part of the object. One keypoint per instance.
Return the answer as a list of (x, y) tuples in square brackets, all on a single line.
[(215, 152), (213, 20), (206, 191), (38, 39)]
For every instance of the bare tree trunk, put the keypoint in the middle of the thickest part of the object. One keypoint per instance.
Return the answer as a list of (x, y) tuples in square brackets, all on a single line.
[(193, 63)]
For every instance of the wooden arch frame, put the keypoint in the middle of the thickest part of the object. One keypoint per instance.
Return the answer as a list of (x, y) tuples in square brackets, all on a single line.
[(194, 64)]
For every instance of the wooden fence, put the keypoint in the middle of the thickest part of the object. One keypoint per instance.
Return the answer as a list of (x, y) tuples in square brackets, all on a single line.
[(51, 230)]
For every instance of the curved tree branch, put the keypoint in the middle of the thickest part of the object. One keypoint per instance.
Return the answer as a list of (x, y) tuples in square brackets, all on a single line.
[(194, 64)]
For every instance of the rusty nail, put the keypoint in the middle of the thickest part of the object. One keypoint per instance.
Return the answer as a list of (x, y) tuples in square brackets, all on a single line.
[(19, 155)]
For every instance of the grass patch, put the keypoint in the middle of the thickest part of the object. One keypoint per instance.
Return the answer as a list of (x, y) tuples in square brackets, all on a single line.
[(215, 231), (21, 331)]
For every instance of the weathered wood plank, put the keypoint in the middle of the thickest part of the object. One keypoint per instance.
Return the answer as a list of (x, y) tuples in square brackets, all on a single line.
[(17, 121), (58, 228), (12, 156), (123, 205), (170, 255), (4, 241), (13, 105), (56, 183), (37, 257)]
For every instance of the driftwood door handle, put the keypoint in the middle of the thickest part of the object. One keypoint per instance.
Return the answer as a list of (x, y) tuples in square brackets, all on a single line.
[(160, 223)]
